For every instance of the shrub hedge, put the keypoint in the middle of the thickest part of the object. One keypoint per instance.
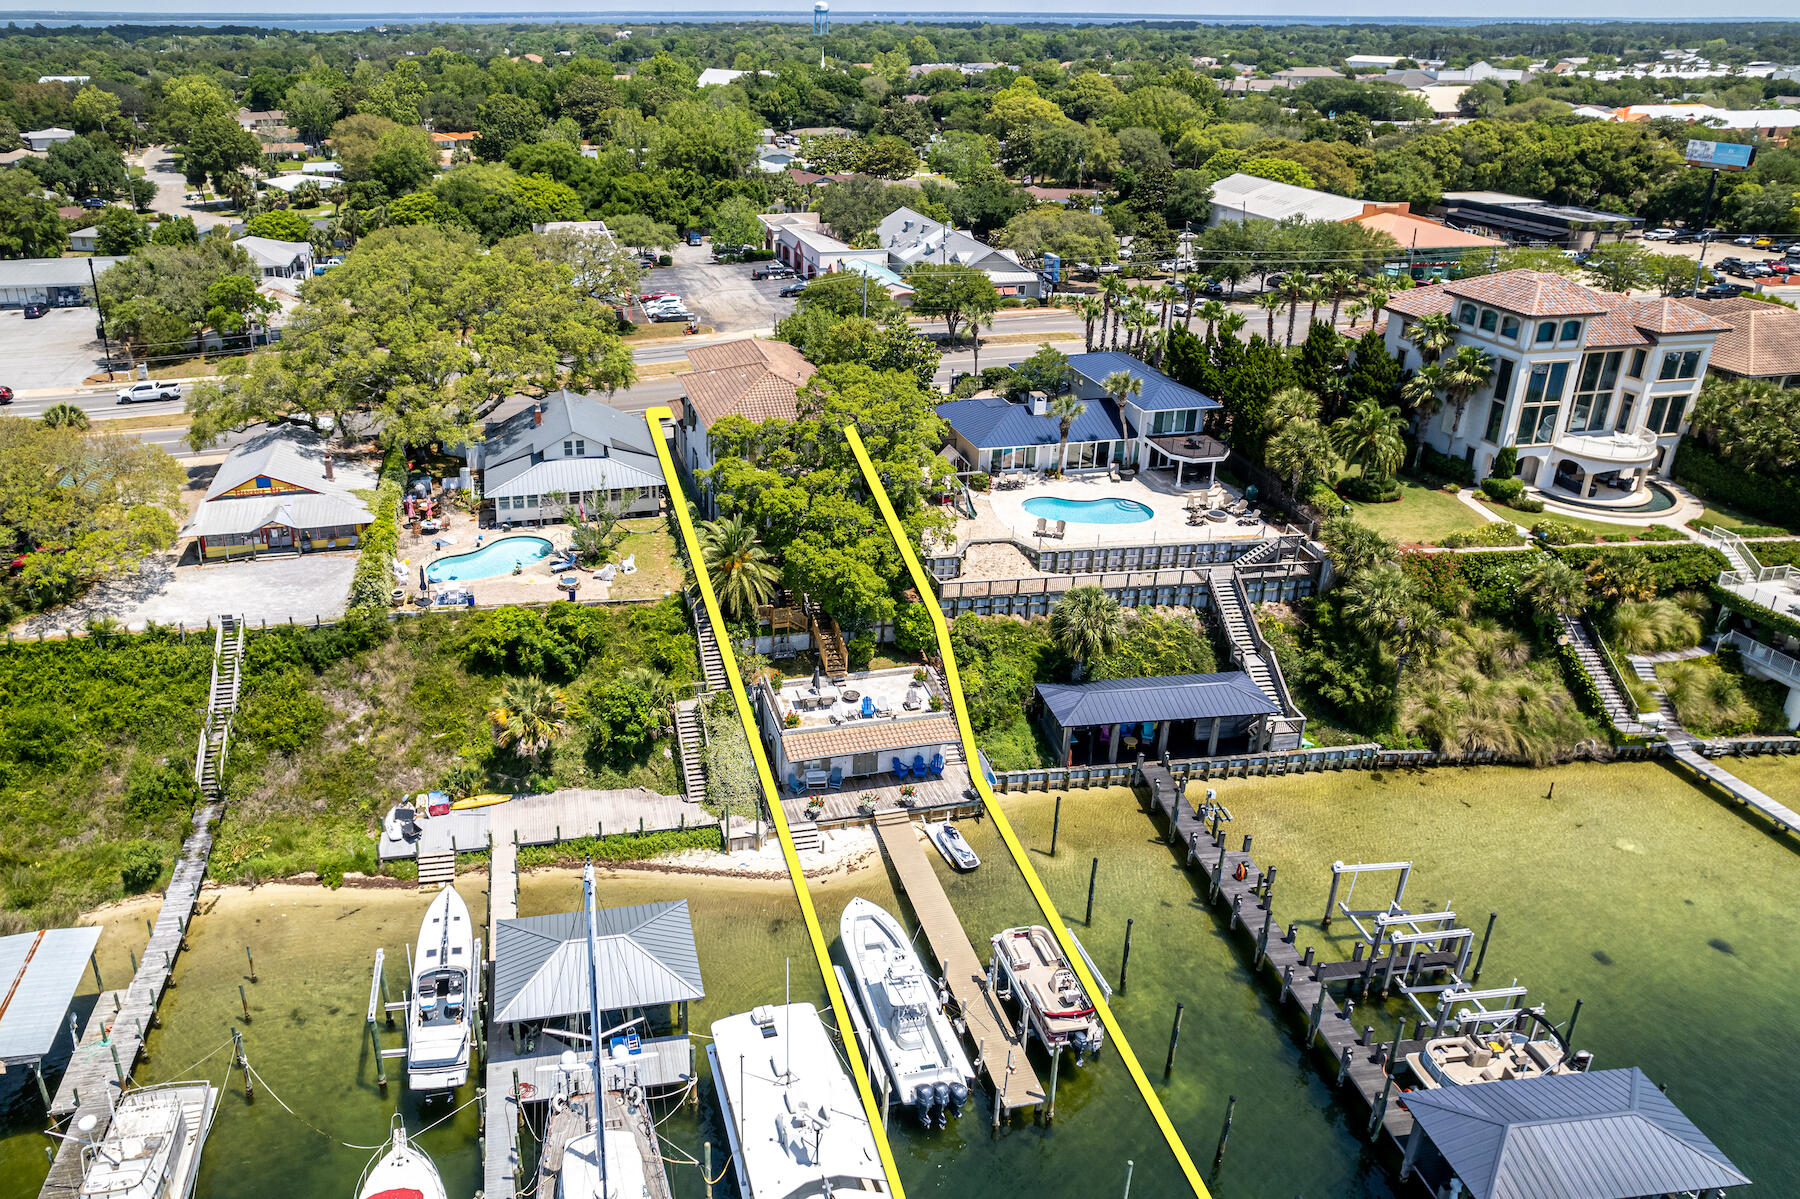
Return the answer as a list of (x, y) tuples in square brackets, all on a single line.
[(1443, 466), (622, 847), (1684, 567), (374, 578), (1711, 477)]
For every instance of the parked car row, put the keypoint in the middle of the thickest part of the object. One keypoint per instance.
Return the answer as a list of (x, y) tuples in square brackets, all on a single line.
[(772, 270), (664, 306), (1772, 269)]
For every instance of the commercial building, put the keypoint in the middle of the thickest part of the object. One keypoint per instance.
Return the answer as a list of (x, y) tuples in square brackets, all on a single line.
[(280, 491), (566, 453), (1523, 219), (799, 241), (912, 239), (55, 281), (1424, 244), (1592, 388)]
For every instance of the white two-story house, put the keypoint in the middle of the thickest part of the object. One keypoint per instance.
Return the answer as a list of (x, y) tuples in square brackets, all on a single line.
[(1592, 388)]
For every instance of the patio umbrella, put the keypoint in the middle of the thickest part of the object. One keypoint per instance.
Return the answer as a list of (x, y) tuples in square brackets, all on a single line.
[(818, 679)]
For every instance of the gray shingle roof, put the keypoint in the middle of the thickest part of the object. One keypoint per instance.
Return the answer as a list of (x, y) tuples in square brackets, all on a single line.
[(646, 955), (1160, 392), (39, 973), (1170, 697), (566, 414), (1607, 1134)]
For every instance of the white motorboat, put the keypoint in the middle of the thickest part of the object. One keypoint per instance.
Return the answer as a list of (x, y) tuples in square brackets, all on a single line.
[(796, 1124), (906, 1015), (950, 843), (1056, 1004), (151, 1149), (444, 994), (403, 1172), (1494, 1055), (580, 1174)]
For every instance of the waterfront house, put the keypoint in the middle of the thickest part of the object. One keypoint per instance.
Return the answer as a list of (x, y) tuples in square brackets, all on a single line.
[(566, 452), (1593, 388), (1762, 343), (854, 726), (753, 378), (280, 491), (1184, 715), (1160, 428)]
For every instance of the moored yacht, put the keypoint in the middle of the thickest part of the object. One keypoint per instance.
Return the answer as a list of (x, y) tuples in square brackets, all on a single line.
[(579, 1177), (439, 1015), (949, 841), (1494, 1055), (1032, 967), (152, 1146), (795, 1120), (915, 1039), (403, 1172)]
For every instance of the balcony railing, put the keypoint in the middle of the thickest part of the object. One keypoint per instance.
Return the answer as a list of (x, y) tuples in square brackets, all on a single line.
[(1609, 447)]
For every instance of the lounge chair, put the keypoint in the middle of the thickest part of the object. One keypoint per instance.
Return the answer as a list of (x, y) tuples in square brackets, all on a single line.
[(900, 771), (1062, 526), (937, 765), (1042, 529), (1112, 472), (918, 765), (836, 782), (794, 787), (605, 573), (868, 705), (629, 566)]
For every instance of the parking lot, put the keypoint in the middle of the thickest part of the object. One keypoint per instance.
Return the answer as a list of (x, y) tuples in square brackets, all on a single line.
[(721, 295), (57, 350)]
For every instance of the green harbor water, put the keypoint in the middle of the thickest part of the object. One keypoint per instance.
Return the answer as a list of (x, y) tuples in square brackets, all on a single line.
[(1668, 911)]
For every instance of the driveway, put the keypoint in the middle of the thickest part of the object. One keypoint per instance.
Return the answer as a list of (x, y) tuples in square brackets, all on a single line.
[(272, 591), (725, 297), (171, 190), (56, 351)]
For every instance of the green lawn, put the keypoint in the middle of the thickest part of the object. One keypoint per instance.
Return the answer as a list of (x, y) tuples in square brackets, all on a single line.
[(1598, 528), (1731, 518), (1421, 516), (658, 570)]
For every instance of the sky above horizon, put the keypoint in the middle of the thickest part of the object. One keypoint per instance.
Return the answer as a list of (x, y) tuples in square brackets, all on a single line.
[(435, 10)]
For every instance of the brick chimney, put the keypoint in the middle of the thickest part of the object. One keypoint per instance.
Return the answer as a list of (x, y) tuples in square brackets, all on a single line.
[(330, 470), (537, 414)]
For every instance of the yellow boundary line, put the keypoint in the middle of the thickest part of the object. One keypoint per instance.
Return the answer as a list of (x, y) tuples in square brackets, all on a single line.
[(927, 594), (858, 1069)]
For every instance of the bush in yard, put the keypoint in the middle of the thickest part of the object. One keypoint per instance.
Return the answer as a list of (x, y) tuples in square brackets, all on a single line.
[(1661, 533), (1494, 533), (154, 789), (979, 481), (913, 634), (1370, 491), (1551, 531), (373, 581), (622, 722), (140, 865), (1503, 490), (1444, 466), (1506, 463)]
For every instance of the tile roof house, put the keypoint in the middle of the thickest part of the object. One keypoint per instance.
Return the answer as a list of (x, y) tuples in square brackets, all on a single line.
[(280, 490), (566, 452), (1762, 343), (1591, 387), (756, 379)]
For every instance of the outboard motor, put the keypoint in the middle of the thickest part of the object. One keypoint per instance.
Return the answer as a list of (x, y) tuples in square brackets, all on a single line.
[(1079, 1039), (942, 1091), (959, 1095), (923, 1098)]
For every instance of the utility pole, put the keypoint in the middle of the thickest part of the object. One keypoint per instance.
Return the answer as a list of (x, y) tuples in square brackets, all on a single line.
[(104, 340)]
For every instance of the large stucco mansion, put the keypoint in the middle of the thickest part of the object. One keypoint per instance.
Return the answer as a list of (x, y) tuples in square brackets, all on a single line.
[(1593, 388)]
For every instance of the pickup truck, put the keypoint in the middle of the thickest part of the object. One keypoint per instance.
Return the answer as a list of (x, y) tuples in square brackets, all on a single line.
[(149, 390)]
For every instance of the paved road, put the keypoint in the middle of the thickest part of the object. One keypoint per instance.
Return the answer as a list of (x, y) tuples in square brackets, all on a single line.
[(171, 189)]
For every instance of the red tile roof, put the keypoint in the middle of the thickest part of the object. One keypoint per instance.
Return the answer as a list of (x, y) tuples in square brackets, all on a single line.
[(752, 378), (1529, 293), (1763, 341)]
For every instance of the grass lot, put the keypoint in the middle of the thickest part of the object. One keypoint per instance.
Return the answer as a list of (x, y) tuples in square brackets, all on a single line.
[(660, 331), (659, 571), (1598, 528), (1421, 516)]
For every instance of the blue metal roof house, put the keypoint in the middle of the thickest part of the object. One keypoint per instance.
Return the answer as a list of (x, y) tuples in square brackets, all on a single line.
[(1160, 428), (1183, 715)]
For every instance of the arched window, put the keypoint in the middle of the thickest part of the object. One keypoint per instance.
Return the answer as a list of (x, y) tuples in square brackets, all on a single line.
[(1466, 315), (1546, 332), (1571, 331)]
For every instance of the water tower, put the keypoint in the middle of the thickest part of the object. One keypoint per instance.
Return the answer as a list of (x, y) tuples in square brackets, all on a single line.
[(821, 18)]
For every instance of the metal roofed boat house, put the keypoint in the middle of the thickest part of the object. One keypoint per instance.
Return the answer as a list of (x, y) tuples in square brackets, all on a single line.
[(1605, 1134), (39, 974), (1183, 715)]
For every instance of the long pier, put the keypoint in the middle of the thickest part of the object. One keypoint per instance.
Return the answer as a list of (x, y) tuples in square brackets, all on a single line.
[(1000, 1048), (1785, 818), (1302, 982)]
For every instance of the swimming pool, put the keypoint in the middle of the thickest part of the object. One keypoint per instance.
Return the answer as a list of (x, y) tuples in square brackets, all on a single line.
[(1089, 512), (497, 558)]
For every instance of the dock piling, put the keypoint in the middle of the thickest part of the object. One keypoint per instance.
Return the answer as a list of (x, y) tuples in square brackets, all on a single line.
[(37, 1073), (1318, 1012), (1287, 983), (707, 1153), (94, 961), (1125, 961), (1225, 1132), (1174, 1040), (1575, 1015), (1219, 874), (1262, 945), (1387, 1084), (243, 1062), (1093, 874), (1127, 1178), (251, 958), (1331, 897), (1055, 1063), (380, 1066), (132, 954), (113, 1046), (245, 1002), (1056, 824), (1344, 1064), (1482, 956)]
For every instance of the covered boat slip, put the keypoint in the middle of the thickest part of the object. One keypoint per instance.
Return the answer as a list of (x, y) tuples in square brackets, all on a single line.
[(1184, 716), (39, 974)]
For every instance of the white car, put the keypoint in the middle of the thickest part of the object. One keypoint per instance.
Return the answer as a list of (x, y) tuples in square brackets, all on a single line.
[(1660, 235), (150, 390)]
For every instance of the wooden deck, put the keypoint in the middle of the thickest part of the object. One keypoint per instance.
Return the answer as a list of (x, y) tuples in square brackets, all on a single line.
[(847, 806), (548, 818), (1785, 818), (114, 1036), (999, 1052)]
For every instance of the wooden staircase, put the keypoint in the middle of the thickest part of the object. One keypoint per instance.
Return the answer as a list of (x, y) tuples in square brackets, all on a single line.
[(712, 662), (690, 736), (1236, 621), (806, 836), (436, 870), (828, 640), (221, 705), (1621, 708)]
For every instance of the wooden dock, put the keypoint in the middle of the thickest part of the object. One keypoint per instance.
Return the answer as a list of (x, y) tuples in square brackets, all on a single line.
[(1001, 1056), (1301, 984), (1785, 818), (115, 1032)]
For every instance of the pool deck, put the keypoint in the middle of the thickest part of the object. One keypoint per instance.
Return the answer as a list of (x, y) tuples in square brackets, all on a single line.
[(535, 585), (1000, 514)]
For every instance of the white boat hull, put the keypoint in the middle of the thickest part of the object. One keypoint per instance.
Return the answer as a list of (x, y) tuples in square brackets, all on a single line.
[(580, 1176), (157, 1176), (441, 1002), (403, 1172), (906, 1017), (950, 843)]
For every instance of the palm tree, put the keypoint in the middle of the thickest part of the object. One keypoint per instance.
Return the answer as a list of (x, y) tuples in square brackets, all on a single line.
[(1464, 373), (1369, 436), (1288, 405), (1301, 451), (1293, 290), (1092, 310), (1354, 310), (1212, 312), (1122, 385), (651, 683), (1231, 324), (1316, 292), (1086, 624), (1271, 303), (1168, 293), (528, 716), (1377, 600), (1432, 334), (1113, 288), (65, 416), (742, 572), (1192, 284), (1067, 408), (1340, 283), (1423, 393), (1138, 321), (1554, 588)]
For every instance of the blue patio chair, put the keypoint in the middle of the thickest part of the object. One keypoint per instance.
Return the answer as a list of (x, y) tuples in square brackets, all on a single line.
[(1147, 730), (868, 706), (899, 769), (937, 765), (918, 765), (837, 778), (794, 787)]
